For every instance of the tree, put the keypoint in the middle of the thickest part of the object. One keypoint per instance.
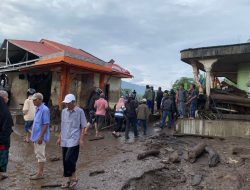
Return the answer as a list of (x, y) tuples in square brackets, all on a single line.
[(125, 91), (183, 80)]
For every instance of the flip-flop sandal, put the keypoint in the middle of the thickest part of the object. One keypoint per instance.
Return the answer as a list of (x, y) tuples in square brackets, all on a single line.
[(32, 174), (65, 185), (115, 135), (36, 177), (2, 177), (73, 183)]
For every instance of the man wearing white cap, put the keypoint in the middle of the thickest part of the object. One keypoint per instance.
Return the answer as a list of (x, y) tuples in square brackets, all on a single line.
[(73, 123)]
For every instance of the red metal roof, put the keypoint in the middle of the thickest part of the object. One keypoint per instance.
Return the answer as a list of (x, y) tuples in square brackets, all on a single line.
[(47, 47), (69, 49), (36, 48)]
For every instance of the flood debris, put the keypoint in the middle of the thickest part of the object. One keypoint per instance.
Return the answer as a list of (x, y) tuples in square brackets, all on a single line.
[(197, 135), (195, 152), (214, 157), (174, 157), (240, 150), (54, 158), (96, 138), (147, 154), (96, 172), (196, 180), (51, 185)]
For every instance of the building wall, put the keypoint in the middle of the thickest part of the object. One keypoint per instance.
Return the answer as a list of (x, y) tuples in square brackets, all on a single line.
[(87, 86), (243, 76), (114, 89), (18, 88), (55, 88), (97, 80)]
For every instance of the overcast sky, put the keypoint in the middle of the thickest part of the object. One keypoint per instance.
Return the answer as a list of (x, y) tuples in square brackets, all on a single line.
[(144, 36)]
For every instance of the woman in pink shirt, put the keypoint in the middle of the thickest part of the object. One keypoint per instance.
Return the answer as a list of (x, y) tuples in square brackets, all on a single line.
[(101, 105)]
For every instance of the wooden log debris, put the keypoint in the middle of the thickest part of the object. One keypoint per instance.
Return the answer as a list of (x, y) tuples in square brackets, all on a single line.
[(147, 154), (93, 173), (174, 157), (51, 185), (214, 157), (196, 152), (241, 150)]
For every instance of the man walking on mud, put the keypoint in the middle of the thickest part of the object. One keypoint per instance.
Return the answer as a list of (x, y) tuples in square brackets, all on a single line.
[(73, 124), (40, 133)]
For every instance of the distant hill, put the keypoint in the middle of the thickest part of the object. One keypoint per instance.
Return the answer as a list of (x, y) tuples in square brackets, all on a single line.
[(139, 89)]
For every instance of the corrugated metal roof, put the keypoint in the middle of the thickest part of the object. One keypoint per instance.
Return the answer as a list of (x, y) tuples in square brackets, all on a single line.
[(46, 48), (36, 48)]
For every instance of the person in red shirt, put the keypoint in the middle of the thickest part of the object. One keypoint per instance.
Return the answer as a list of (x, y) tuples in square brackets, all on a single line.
[(101, 105)]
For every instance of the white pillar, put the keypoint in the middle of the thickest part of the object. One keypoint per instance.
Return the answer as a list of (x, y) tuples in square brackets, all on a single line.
[(208, 63), (195, 72)]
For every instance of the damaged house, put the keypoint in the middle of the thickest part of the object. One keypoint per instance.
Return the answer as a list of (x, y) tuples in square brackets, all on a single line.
[(54, 70), (228, 104)]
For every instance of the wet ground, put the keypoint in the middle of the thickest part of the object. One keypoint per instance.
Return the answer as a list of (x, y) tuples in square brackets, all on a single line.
[(116, 160)]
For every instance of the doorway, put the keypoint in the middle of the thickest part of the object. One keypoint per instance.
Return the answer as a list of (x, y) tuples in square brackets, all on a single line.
[(41, 83)]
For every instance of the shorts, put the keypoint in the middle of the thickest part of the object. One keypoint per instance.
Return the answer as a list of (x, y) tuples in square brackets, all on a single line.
[(100, 120), (40, 151), (28, 126)]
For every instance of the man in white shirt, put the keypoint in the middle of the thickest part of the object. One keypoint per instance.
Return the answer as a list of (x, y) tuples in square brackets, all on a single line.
[(73, 124), (28, 113)]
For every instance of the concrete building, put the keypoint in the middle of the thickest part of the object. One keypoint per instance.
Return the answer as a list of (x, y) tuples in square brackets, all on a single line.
[(231, 111), (54, 70), (229, 61)]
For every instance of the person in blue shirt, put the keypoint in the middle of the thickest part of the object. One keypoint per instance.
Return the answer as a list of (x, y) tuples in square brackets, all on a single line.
[(40, 133)]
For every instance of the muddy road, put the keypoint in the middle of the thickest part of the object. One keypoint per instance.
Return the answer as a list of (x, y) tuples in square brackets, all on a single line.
[(112, 164)]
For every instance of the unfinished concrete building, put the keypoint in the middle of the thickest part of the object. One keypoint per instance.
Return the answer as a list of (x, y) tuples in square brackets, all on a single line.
[(229, 103)]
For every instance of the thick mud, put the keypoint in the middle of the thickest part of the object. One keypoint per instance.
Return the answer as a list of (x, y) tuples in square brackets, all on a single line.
[(112, 164)]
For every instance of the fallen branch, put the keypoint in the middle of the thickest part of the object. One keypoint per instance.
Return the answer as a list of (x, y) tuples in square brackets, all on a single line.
[(96, 138), (196, 152), (51, 185), (147, 154), (214, 157), (96, 172)]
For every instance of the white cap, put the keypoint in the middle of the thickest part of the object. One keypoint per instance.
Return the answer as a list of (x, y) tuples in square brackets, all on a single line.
[(69, 98)]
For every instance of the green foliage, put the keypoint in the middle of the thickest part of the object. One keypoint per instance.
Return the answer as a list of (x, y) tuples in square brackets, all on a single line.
[(125, 91), (183, 80)]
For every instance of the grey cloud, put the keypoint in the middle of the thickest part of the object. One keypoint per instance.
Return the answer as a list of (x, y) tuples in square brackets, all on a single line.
[(143, 36)]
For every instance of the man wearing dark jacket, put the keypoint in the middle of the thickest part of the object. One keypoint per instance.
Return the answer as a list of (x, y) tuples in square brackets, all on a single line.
[(6, 124), (167, 107), (159, 97), (130, 113)]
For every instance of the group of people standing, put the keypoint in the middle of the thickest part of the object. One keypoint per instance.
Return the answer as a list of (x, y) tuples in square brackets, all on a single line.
[(37, 127), (133, 113), (179, 104), (74, 124)]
